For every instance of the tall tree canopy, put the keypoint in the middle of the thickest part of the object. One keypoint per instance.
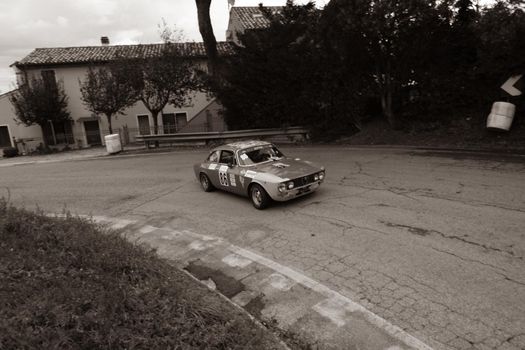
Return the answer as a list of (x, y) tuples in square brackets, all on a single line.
[(399, 39), (432, 60), (262, 85)]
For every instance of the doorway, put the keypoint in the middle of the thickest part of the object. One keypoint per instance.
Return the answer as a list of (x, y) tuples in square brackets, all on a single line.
[(5, 138), (181, 120), (144, 128), (92, 132)]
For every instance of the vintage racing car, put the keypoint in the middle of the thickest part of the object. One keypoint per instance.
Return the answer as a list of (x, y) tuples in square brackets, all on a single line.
[(257, 169)]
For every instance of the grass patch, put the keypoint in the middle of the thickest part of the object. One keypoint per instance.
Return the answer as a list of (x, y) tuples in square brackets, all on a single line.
[(67, 283)]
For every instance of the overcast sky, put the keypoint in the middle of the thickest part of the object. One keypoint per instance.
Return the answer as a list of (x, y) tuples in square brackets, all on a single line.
[(28, 24)]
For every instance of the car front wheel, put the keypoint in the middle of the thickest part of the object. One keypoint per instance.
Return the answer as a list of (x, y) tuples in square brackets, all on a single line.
[(259, 197), (205, 183)]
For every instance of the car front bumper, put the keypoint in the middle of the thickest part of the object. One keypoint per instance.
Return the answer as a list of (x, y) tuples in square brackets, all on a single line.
[(295, 192)]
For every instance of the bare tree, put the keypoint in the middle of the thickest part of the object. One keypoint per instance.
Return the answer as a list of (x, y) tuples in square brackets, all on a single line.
[(166, 79), (109, 90)]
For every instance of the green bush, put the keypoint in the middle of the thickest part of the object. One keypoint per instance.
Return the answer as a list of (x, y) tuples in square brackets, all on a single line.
[(68, 283), (10, 152)]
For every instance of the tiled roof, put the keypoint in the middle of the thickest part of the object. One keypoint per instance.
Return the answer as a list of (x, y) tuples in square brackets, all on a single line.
[(100, 54), (252, 17)]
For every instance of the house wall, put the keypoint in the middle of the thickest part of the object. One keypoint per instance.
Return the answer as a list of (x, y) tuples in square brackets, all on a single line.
[(234, 28), (71, 76), (27, 138), (209, 119)]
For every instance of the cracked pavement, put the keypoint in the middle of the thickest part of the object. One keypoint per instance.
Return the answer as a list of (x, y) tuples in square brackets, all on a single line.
[(433, 243)]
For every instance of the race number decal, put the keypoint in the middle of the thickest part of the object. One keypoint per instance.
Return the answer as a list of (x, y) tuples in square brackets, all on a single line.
[(223, 178), (251, 174)]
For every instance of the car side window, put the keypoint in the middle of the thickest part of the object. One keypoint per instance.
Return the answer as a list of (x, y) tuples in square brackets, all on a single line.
[(213, 157), (227, 157)]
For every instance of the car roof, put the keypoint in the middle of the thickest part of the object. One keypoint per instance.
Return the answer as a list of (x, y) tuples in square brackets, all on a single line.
[(242, 145)]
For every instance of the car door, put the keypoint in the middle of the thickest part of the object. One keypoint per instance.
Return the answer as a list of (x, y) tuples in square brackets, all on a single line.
[(212, 168), (228, 172)]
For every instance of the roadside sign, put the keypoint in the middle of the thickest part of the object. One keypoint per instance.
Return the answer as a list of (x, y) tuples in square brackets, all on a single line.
[(509, 87)]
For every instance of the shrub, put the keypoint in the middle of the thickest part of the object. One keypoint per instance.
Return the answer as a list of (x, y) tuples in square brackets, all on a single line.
[(10, 152)]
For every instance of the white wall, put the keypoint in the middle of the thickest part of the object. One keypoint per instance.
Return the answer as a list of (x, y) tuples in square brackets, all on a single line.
[(30, 137), (70, 76)]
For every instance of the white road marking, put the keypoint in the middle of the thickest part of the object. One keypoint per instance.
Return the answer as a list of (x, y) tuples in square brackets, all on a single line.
[(331, 309), (120, 224), (280, 282), (244, 297), (207, 238), (210, 284), (147, 229), (235, 260), (171, 236), (198, 245)]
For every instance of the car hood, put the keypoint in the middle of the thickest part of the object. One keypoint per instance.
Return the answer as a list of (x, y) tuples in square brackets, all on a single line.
[(288, 168)]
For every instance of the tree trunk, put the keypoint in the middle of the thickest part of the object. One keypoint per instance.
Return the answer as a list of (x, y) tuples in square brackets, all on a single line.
[(155, 115), (108, 116), (44, 141), (388, 112), (206, 30), (387, 92)]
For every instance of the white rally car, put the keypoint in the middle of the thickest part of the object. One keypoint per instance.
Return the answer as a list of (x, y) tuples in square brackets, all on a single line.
[(257, 169)]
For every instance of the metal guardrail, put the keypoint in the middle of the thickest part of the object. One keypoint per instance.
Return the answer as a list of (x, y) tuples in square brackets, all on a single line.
[(221, 135)]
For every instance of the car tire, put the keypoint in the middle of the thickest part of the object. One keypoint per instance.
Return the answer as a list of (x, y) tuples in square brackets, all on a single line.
[(260, 199), (206, 183)]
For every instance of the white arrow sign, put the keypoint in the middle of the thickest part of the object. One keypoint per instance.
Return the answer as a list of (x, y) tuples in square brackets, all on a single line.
[(508, 86)]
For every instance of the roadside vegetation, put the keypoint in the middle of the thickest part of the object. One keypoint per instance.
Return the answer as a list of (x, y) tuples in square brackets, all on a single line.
[(420, 66), (68, 283)]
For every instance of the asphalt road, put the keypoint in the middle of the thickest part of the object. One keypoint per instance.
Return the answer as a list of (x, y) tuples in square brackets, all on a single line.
[(432, 242)]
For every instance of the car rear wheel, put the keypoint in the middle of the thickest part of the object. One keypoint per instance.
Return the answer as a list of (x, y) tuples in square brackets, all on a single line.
[(259, 197), (205, 183)]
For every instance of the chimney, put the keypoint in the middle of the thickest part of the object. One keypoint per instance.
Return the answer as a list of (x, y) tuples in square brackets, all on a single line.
[(104, 40)]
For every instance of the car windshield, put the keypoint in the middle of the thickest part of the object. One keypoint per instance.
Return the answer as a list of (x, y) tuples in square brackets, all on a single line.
[(259, 154)]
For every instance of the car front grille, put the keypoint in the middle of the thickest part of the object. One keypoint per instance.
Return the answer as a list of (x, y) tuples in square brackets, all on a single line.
[(303, 180)]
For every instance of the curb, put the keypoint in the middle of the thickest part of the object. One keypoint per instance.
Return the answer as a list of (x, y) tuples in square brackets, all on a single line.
[(238, 307), (292, 303)]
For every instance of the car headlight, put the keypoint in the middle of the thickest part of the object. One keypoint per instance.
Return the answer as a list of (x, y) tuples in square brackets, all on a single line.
[(282, 187), (290, 185), (316, 177), (321, 175)]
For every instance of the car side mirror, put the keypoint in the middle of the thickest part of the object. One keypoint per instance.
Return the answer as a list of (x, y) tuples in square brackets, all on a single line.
[(231, 164)]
